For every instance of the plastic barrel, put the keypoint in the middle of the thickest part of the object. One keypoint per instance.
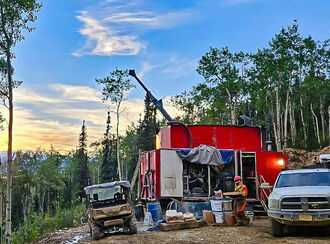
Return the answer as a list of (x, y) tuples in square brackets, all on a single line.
[(155, 210), (219, 217), (216, 205)]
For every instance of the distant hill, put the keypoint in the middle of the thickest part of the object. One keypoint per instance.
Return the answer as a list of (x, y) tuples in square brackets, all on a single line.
[(3, 156)]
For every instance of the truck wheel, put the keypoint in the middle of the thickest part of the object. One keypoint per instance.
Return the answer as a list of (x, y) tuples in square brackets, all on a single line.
[(95, 231), (132, 225), (276, 229)]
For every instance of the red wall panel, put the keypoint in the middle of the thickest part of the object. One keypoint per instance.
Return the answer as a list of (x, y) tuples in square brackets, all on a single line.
[(267, 165), (165, 137), (222, 137)]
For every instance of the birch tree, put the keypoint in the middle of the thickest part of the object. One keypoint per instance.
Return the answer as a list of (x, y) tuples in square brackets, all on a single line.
[(114, 90), (15, 17), (222, 69)]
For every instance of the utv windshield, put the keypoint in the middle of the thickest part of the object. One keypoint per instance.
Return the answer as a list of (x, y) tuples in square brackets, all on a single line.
[(304, 179), (105, 193)]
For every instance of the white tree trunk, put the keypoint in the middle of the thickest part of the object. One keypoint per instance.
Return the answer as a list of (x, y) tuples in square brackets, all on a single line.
[(293, 129), (274, 128), (9, 152), (303, 122), (117, 134), (231, 105), (286, 112), (278, 120), (316, 123), (322, 118), (234, 118)]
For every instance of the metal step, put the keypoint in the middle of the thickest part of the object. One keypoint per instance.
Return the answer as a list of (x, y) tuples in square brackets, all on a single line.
[(259, 211)]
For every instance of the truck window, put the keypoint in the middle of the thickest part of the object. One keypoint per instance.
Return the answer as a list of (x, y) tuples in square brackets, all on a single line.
[(304, 179)]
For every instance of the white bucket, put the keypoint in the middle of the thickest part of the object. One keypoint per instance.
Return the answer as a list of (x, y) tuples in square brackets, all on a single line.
[(216, 205), (219, 217), (250, 215), (227, 205)]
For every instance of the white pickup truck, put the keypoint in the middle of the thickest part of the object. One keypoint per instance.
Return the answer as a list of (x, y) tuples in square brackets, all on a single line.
[(299, 197)]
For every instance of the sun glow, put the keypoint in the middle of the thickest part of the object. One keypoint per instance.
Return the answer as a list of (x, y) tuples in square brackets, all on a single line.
[(54, 118)]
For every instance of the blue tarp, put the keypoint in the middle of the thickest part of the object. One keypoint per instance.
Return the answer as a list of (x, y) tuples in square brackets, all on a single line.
[(226, 155)]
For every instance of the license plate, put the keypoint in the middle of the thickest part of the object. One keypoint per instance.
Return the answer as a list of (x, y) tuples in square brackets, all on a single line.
[(306, 217)]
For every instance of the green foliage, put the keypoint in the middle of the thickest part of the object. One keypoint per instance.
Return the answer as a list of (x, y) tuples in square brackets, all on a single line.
[(83, 158), (115, 86), (109, 161), (283, 87), (148, 126), (37, 225), (16, 16)]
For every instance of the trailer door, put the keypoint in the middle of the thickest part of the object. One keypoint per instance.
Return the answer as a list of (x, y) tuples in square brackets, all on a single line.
[(171, 167), (249, 173)]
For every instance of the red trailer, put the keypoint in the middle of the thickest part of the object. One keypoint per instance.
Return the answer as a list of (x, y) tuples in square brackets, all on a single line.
[(165, 175)]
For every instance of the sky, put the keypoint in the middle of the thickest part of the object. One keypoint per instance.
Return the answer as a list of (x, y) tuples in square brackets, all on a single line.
[(79, 40)]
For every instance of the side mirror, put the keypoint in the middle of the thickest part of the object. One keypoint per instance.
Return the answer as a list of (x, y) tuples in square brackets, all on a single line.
[(266, 186), (95, 197)]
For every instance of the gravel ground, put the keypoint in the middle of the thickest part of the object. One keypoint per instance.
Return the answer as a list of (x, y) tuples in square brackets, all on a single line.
[(257, 232)]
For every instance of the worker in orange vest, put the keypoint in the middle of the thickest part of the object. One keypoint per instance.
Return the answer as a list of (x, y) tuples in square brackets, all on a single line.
[(240, 202)]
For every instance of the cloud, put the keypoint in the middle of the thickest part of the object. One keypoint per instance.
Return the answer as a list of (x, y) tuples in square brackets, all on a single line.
[(60, 93), (53, 116), (179, 66), (171, 64), (115, 29), (146, 67), (76, 93), (103, 40)]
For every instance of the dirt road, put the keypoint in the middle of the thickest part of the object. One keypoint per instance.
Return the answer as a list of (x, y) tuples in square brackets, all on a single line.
[(257, 233)]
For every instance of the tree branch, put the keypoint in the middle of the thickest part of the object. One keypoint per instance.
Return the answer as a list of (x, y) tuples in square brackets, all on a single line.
[(3, 94)]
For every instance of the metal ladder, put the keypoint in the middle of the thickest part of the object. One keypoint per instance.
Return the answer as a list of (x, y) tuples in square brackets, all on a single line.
[(264, 192)]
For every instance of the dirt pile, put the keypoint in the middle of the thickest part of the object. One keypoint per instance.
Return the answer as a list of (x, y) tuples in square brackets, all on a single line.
[(301, 158)]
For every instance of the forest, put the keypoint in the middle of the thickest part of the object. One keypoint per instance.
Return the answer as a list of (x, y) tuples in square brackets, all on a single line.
[(283, 87)]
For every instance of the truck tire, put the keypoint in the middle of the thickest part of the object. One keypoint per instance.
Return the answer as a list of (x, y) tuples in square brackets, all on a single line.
[(95, 231), (132, 225), (276, 229)]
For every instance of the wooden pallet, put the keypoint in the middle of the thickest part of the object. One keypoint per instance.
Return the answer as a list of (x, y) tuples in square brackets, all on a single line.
[(178, 226)]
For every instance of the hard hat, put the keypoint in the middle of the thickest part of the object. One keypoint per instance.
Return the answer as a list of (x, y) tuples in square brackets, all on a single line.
[(237, 177)]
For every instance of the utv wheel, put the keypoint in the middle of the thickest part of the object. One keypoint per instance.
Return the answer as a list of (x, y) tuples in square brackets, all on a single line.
[(132, 225), (276, 229), (95, 231)]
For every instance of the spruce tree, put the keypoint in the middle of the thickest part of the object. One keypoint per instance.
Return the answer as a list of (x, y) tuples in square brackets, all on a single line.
[(109, 163), (149, 125), (82, 157)]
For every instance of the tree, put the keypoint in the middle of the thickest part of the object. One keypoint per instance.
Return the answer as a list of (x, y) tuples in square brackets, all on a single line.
[(282, 86), (82, 157), (15, 17), (115, 88), (2, 75), (221, 69), (109, 168), (148, 126)]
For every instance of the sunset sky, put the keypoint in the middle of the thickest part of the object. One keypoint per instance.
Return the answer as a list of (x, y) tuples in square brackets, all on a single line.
[(79, 40)]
